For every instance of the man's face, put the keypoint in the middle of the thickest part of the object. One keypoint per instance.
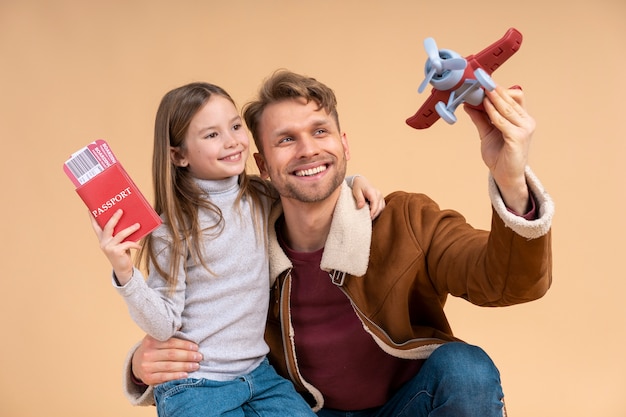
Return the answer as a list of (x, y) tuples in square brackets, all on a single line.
[(304, 154)]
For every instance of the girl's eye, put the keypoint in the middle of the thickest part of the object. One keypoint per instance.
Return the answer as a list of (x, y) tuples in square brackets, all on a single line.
[(211, 135), (237, 126)]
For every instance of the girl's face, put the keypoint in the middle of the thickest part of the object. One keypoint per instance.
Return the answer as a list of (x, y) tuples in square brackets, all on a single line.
[(216, 145)]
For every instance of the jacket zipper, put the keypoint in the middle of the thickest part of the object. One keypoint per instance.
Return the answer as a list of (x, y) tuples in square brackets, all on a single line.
[(368, 323), (285, 328)]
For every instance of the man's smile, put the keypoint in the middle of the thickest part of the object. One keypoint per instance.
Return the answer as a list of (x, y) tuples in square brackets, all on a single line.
[(310, 171)]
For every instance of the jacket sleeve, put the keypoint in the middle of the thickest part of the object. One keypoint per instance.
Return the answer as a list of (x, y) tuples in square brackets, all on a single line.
[(530, 229), (510, 264), (136, 394)]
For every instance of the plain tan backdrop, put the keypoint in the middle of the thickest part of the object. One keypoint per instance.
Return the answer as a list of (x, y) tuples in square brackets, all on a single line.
[(73, 71)]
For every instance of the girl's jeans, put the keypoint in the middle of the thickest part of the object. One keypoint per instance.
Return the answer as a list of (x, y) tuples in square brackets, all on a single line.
[(260, 393), (457, 380)]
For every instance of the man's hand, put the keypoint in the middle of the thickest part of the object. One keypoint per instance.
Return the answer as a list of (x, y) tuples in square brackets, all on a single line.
[(156, 362), (505, 130)]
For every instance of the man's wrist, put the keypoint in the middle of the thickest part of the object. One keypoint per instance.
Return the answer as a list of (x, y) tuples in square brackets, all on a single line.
[(531, 209), (136, 380)]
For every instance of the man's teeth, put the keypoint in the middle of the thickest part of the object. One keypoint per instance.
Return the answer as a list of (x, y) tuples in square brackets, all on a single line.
[(312, 171)]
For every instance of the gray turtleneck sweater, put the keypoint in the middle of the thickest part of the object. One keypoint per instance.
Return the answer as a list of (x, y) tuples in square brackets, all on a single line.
[(223, 311)]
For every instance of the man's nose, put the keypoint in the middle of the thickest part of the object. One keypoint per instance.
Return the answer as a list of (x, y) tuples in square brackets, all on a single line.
[(307, 146)]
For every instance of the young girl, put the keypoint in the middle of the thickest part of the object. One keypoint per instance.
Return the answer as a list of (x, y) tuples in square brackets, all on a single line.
[(207, 264)]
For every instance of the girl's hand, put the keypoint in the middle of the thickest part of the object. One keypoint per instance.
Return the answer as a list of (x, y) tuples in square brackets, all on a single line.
[(114, 248), (364, 192)]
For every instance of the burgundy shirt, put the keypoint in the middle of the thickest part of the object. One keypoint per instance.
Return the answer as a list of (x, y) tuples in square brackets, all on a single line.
[(334, 352)]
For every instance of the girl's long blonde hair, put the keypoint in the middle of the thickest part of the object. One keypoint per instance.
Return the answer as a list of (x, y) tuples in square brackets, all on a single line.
[(177, 197)]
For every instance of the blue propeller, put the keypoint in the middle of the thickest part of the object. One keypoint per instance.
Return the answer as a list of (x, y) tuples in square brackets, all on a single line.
[(438, 62)]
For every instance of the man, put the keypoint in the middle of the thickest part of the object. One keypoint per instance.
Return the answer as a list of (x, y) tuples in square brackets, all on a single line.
[(356, 316)]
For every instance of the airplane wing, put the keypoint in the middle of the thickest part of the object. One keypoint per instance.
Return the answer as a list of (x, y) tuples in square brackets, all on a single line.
[(426, 115), (498, 52)]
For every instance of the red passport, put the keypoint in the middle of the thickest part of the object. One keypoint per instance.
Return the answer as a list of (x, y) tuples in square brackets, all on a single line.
[(104, 186)]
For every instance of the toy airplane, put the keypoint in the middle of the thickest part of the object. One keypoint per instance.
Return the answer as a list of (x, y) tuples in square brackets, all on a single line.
[(456, 80)]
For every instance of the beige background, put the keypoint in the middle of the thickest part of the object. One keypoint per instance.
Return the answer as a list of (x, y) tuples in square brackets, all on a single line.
[(75, 71)]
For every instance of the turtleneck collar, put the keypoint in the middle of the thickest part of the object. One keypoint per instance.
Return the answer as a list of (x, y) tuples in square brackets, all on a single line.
[(218, 186)]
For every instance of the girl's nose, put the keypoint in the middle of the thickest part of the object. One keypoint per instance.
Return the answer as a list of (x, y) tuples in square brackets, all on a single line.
[(230, 140)]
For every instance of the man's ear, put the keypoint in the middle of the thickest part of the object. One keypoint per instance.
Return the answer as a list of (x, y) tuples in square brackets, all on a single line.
[(177, 157), (346, 147), (260, 163)]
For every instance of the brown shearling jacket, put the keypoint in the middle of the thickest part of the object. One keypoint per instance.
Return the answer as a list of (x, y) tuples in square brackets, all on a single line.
[(398, 271)]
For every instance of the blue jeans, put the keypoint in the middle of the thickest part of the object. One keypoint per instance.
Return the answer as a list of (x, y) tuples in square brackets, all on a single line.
[(260, 393), (457, 380)]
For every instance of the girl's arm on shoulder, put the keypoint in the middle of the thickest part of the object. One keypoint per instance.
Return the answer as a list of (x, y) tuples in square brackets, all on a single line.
[(364, 192)]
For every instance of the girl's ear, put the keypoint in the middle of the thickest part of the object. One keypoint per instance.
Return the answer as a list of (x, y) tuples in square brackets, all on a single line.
[(260, 163), (177, 157)]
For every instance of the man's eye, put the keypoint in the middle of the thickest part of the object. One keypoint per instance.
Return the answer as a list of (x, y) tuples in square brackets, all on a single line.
[(320, 132), (285, 140)]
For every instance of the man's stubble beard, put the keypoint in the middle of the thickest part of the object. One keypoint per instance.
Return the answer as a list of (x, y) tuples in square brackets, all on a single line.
[(316, 194)]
